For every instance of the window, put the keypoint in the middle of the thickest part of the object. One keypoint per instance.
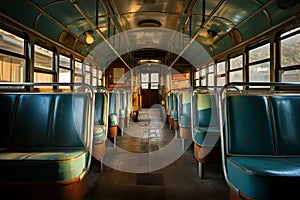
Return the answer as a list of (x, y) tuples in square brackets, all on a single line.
[(11, 42), (291, 76), (203, 76), (236, 76), (221, 81), (290, 56), (259, 72), (12, 60), (94, 74), (42, 77), (78, 71), (152, 78), (11, 69), (100, 73), (259, 53), (43, 58), (236, 63), (87, 76), (43, 64), (211, 75), (144, 80), (197, 78), (236, 69), (290, 48), (259, 64), (64, 69)]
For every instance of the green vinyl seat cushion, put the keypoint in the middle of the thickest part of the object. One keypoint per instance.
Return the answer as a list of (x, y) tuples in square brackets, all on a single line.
[(113, 120), (264, 177), (122, 113), (99, 133), (52, 165), (208, 136)]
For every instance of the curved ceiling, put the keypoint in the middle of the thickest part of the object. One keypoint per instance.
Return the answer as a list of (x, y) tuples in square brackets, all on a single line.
[(217, 25)]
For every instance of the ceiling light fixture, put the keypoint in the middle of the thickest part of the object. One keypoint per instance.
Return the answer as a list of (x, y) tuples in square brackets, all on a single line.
[(89, 37), (212, 33)]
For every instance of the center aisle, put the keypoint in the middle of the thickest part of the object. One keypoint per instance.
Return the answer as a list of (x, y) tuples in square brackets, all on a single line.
[(147, 138)]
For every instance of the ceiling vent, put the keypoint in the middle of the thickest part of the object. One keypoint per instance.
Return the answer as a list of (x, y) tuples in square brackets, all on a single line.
[(149, 23), (149, 2)]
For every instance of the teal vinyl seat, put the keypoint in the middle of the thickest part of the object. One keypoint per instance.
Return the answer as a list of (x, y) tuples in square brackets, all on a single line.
[(100, 119), (184, 115), (113, 114), (206, 117), (100, 125), (113, 118), (174, 111), (122, 105), (206, 131), (43, 137), (262, 145)]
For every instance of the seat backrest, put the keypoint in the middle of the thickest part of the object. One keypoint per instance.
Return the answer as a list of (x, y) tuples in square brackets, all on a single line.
[(70, 121), (250, 129), (32, 122), (100, 103), (128, 103), (207, 110), (186, 104), (8, 105), (39, 120), (112, 103), (286, 114), (122, 105)]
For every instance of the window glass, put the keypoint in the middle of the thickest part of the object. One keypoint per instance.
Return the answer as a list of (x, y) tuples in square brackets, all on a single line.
[(203, 72), (236, 62), (43, 58), (259, 72), (78, 72), (203, 81), (291, 76), (221, 68), (145, 77), (78, 67), (11, 42), (154, 85), (197, 74), (94, 81), (154, 77), (11, 69), (64, 61), (64, 76), (144, 85), (236, 76), (78, 79), (290, 51), (87, 79), (210, 68), (210, 79), (42, 77), (220, 81), (259, 53), (100, 77)]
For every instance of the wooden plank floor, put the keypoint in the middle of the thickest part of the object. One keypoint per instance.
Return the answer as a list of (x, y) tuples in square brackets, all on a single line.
[(178, 180)]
